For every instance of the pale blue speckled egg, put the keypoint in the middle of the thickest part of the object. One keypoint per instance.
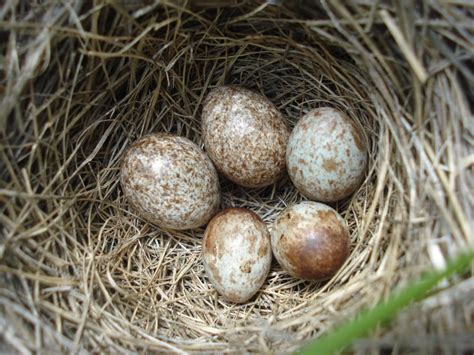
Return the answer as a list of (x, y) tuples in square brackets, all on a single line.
[(237, 253), (326, 155)]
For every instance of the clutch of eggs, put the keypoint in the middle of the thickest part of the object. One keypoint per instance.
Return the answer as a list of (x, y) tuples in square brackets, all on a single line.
[(169, 181), (326, 155), (245, 136)]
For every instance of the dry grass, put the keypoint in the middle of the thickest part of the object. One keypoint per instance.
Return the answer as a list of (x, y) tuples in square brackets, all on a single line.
[(78, 83)]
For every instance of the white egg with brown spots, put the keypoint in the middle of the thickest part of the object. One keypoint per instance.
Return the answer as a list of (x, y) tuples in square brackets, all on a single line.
[(169, 181), (245, 136), (326, 155), (237, 253), (310, 240)]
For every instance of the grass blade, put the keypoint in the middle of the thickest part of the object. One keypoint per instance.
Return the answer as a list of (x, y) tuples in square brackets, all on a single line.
[(384, 311)]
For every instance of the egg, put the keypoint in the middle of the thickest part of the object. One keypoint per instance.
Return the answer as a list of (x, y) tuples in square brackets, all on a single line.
[(245, 136), (310, 240), (169, 181), (326, 155), (236, 253)]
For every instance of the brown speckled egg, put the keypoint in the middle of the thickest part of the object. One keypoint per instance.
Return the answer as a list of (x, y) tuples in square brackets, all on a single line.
[(310, 240), (170, 182), (245, 136), (326, 155), (237, 253)]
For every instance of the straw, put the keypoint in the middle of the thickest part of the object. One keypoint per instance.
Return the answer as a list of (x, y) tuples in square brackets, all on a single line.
[(80, 81)]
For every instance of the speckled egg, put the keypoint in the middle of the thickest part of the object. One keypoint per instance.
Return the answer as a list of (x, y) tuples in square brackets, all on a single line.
[(169, 181), (326, 155), (237, 253), (245, 136), (310, 240)]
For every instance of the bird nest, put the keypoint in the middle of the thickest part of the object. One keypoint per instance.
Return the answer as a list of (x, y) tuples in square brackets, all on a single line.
[(79, 83)]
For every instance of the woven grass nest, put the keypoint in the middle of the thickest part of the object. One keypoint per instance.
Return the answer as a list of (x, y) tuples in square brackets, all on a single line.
[(80, 81)]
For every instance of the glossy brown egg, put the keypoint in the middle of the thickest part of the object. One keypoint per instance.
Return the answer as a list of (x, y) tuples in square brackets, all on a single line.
[(245, 136), (310, 240), (237, 253), (170, 182)]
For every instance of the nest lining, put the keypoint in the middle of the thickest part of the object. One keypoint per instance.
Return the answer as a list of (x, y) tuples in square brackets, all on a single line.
[(84, 272)]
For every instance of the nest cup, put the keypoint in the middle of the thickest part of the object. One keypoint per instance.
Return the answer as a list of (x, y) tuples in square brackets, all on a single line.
[(79, 83)]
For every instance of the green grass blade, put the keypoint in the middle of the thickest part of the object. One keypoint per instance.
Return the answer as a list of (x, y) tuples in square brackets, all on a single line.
[(369, 319)]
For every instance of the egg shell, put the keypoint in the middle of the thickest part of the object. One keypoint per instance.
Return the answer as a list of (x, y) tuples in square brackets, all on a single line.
[(310, 240), (237, 253), (326, 155), (169, 181), (245, 136)]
